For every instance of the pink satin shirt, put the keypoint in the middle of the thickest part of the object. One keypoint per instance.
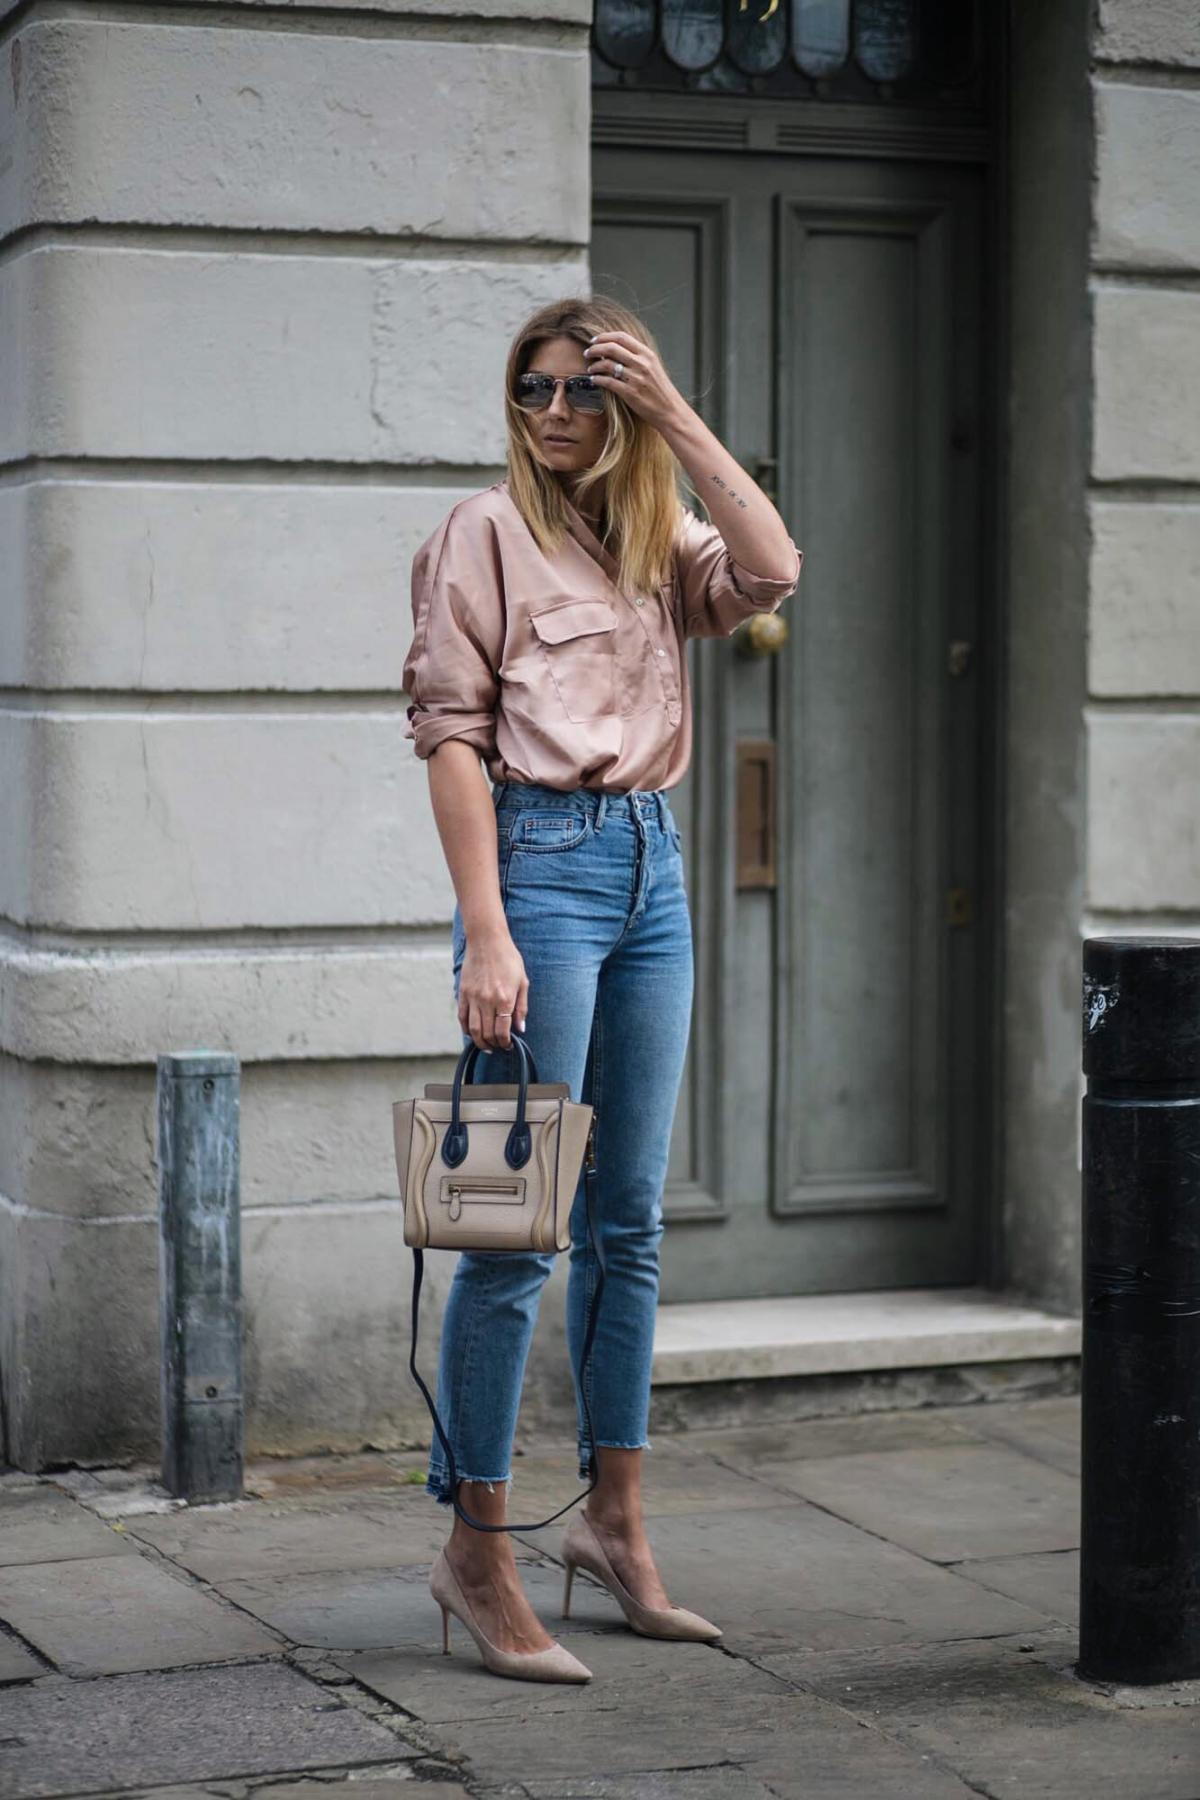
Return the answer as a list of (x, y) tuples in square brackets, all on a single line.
[(546, 665)]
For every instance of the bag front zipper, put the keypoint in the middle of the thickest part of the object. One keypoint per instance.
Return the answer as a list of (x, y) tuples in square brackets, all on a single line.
[(484, 1191)]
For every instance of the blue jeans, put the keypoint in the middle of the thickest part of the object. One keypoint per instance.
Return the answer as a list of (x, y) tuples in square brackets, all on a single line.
[(593, 890)]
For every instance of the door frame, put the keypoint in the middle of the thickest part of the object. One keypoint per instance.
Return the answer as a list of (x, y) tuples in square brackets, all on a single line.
[(635, 118)]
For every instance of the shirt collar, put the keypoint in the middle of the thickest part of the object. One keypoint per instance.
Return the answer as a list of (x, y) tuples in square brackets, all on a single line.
[(585, 537), (583, 534)]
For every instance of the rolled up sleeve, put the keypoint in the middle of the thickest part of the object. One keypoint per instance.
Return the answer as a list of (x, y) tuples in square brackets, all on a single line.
[(451, 672), (716, 590)]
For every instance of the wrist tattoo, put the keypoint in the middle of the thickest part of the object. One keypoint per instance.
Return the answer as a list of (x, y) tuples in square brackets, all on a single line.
[(732, 492)]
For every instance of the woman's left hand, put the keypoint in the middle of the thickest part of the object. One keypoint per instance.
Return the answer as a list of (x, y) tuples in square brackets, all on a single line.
[(643, 384)]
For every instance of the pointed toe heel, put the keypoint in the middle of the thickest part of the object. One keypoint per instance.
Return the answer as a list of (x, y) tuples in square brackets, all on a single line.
[(553, 1664), (582, 1549)]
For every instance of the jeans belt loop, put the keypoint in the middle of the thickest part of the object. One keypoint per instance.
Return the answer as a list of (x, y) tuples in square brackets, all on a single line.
[(661, 801), (601, 809)]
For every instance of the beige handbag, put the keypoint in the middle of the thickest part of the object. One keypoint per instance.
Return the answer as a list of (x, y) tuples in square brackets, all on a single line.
[(490, 1166), (494, 1166)]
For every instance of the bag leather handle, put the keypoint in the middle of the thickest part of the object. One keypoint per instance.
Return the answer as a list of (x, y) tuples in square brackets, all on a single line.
[(518, 1146)]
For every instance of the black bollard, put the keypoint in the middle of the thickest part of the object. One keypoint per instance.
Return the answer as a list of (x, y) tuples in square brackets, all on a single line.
[(1139, 1586), (200, 1270)]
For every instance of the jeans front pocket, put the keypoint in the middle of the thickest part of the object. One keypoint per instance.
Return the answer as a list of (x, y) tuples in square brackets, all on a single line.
[(577, 640), (544, 830)]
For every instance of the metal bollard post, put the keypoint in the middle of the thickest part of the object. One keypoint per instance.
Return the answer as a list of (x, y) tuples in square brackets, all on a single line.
[(1140, 1552), (200, 1275)]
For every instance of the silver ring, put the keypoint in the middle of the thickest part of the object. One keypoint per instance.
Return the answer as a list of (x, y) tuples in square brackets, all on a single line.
[(618, 370), (501, 1015)]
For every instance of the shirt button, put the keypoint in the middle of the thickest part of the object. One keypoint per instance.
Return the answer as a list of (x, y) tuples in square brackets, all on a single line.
[(638, 600), (662, 653)]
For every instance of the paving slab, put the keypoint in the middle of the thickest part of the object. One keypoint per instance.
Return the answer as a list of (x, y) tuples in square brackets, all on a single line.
[(795, 1576), (251, 1539), (650, 1706), (16, 1663), (756, 1448), (114, 1614), (1047, 1581), (323, 1477), (387, 1782), (39, 1525), (363, 1786), (679, 1477), (947, 1503), (1045, 1429), (725, 1783), (1011, 1725), (364, 1609), (658, 1721), (192, 1725)]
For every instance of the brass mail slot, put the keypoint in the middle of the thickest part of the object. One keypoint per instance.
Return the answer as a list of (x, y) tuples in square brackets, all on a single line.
[(756, 813)]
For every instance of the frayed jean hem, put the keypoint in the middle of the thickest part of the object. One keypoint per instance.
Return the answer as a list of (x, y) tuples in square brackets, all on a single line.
[(585, 1456), (437, 1484)]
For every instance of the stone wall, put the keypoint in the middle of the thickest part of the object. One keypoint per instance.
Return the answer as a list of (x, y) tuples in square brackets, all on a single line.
[(1144, 492), (1103, 754), (261, 268)]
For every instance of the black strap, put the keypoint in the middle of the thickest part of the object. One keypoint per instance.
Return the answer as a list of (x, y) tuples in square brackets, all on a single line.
[(589, 1173)]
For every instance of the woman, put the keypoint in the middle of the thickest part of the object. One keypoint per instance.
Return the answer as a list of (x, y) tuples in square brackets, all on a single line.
[(550, 614)]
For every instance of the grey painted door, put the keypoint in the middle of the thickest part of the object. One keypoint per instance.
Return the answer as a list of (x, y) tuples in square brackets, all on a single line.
[(823, 316)]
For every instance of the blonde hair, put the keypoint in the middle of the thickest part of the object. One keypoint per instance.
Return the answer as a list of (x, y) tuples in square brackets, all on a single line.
[(643, 474)]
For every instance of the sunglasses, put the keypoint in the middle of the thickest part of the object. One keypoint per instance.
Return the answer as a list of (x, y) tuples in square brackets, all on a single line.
[(536, 391)]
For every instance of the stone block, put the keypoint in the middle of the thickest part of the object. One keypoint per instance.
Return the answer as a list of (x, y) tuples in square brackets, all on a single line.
[(267, 1546), (694, 1725), (327, 1328), (113, 1615), (121, 1006), (1149, 31), (1148, 175), (41, 1525), (201, 354), (326, 1304), (1144, 632), (1007, 1723), (192, 585), (374, 1609), (79, 1140), (1144, 826), (16, 1663), (181, 819), (1047, 1580), (81, 1312), (1047, 1430), (295, 131), (199, 1725), (831, 1585), (1146, 356), (946, 1504)]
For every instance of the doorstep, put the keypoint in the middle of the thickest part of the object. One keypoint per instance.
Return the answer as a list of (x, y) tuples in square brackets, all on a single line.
[(836, 1334)]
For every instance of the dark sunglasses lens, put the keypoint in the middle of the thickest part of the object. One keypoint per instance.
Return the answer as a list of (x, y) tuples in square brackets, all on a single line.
[(534, 391), (584, 395)]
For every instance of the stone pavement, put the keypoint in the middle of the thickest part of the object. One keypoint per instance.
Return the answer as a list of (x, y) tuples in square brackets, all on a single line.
[(897, 1592)]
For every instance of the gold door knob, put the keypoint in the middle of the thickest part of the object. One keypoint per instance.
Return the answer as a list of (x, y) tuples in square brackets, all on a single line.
[(763, 635)]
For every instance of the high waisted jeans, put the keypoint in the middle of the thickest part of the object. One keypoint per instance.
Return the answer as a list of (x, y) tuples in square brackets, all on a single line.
[(593, 891)]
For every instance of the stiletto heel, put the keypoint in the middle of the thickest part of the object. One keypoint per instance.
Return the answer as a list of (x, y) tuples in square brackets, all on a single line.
[(567, 1590), (581, 1548), (553, 1664)]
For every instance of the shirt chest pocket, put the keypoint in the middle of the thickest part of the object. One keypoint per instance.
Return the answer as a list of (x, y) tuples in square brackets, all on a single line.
[(577, 644)]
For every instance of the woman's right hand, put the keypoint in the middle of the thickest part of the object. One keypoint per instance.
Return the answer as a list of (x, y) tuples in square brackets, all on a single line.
[(493, 991)]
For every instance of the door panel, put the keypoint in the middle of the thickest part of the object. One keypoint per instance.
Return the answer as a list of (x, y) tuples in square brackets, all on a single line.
[(824, 312)]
